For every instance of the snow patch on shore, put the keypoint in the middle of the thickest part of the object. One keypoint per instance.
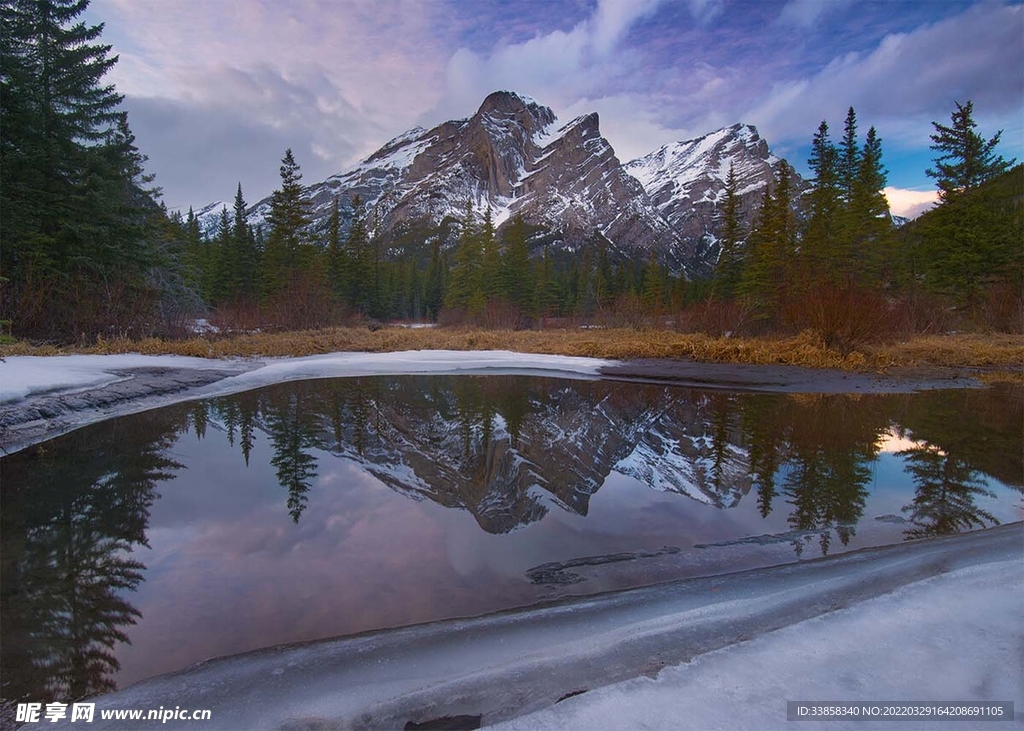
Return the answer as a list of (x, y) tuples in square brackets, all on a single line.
[(23, 376), (27, 375), (955, 637)]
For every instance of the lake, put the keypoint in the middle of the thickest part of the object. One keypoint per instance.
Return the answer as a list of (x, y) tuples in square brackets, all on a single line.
[(307, 510)]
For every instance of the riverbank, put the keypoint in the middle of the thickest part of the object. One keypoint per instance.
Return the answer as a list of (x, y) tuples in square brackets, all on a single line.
[(990, 356), (45, 396)]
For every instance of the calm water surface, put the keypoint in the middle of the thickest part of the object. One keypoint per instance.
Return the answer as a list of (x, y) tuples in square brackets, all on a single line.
[(308, 510)]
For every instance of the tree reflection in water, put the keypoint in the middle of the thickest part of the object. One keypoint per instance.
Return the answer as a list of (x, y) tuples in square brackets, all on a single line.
[(73, 512), (946, 494)]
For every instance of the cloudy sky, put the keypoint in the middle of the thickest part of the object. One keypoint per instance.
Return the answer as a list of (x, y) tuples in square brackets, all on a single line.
[(216, 90)]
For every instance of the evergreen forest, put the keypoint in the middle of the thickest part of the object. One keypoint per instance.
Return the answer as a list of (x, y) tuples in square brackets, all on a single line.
[(87, 249)]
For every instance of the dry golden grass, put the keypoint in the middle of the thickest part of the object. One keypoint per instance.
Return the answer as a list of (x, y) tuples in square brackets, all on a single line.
[(973, 350), (1002, 354)]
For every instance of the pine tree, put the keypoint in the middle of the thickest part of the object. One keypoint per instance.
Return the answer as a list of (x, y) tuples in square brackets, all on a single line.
[(223, 260), (338, 263), (655, 287), (244, 255), (517, 273), (849, 156), (54, 110), (604, 278), (490, 263), (729, 269), (193, 250), (820, 251), (434, 283), (288, 219), (966, 241), (965, 159), (771, 249), (547, 293), (357, 246), (80, 224), (465, 288), (379, 290), (585, 284), (870, 225)]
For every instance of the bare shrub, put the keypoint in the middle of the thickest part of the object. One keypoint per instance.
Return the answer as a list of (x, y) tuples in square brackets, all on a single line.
[(240, 317), (305, 303), (452, 317), (845, 317), (1002, 309), (927, 314), (503, 315), (715, 317), (629, 310)]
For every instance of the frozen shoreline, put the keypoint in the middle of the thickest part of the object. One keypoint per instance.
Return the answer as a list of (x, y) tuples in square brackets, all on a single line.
[(937, 619), (44, 397)]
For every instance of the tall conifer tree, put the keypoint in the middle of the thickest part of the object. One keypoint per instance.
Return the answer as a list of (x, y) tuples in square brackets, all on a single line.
[(357, 245), (77, 209), (849, 156), (729, 269), (820, 242), (771, 249), (338, 264), (465, 288), (517, 273), (288, 218), (244, 255), (965, 159), (872, 229)]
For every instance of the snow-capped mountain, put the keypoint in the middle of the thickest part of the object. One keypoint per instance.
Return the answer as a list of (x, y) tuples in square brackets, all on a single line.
[(516, 158), (686, 181)]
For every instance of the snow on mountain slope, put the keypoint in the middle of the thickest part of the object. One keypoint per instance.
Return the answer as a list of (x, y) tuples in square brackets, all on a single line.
[(514, 157), (686, 180)]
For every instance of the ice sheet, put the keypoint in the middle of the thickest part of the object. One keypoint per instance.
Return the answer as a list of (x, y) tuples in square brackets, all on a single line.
[(21, 376), (955, 637)]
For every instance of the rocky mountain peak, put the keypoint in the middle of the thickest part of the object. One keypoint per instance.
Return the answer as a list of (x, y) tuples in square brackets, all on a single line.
[(509, 102), (686, 181), (514, 157)]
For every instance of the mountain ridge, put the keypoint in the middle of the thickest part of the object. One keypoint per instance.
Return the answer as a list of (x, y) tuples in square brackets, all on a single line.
[(513, 156)]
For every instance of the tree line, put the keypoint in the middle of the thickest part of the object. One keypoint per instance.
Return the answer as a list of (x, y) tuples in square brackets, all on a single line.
[(838, 262), (303, 277), (88, 249)]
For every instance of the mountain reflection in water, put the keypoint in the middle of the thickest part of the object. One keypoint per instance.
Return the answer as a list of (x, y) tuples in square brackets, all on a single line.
[(79, 512)]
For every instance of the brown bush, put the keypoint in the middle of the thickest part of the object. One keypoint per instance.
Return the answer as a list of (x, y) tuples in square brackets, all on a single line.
[(628, 310), (502, 315), (239, 317), (845, 317), (305, 303), (716, 317), (927, 314), (495, 314), (1002, 309)]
